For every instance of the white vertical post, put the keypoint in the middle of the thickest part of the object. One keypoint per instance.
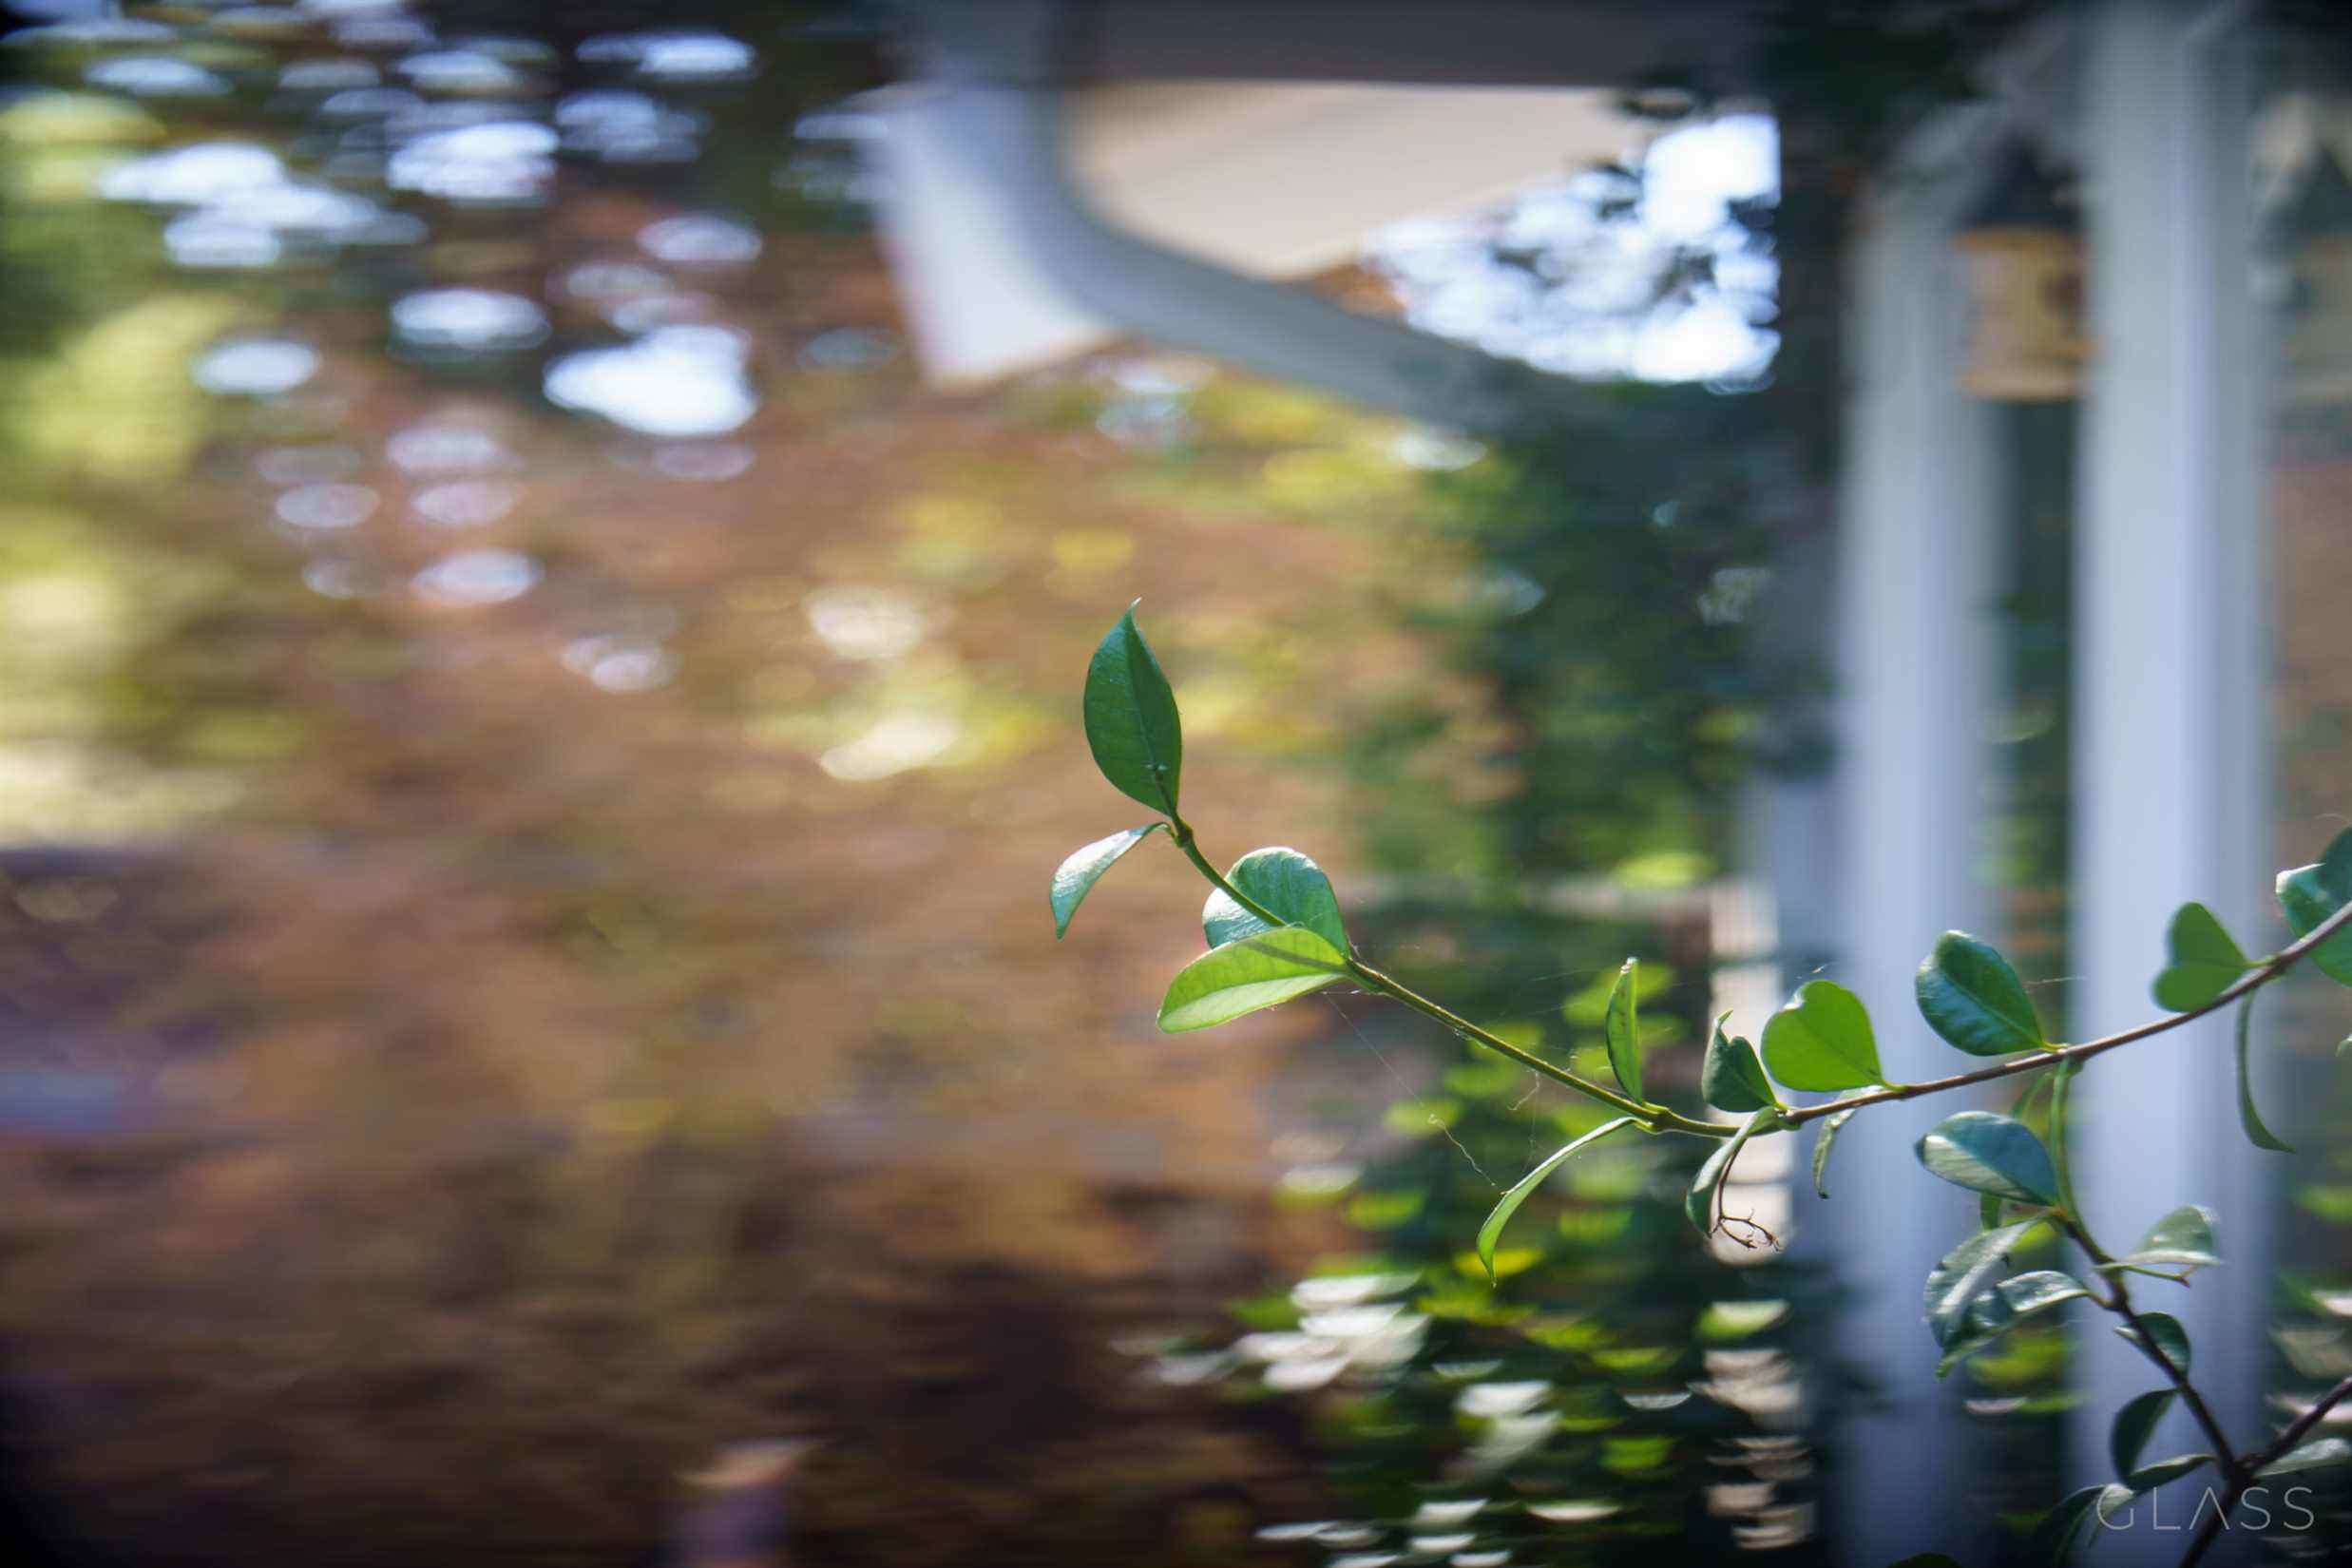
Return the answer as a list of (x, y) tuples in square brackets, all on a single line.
[(1921, 549), (2171, 783)]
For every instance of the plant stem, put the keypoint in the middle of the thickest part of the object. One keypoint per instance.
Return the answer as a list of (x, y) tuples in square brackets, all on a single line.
[(1656, 1117), (1181, 831), (2120, 1304), (2254, 980), (2253, 1463)]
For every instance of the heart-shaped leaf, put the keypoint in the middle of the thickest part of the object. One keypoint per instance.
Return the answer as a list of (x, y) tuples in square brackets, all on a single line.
[(1966, 1273), (1131, 716), (1823, 1141), (1075, 877), (2005, 1306), (2250, 1120), (1821, 1040), (1620, 1023), (2148, 1477), (1970, 996), (1283, 882), (1986, 1152), (1698, 1204), (2135, 1425), (2310, 893), (1491, 1231), (2167, 1335), (1731, 1076), (2311, 1456), (2061, 1531), (1242, 977), (2202, 960)]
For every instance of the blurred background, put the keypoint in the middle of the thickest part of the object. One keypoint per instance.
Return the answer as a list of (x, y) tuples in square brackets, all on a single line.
[(547, 563)]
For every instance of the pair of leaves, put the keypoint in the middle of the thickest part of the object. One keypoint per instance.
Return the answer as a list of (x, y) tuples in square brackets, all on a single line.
[(1137, 739), (1966, 1273), (2201, 960), (1491, 1232), (2309, 894), (2004, 1306), (1990, 1154), (1254, 964)]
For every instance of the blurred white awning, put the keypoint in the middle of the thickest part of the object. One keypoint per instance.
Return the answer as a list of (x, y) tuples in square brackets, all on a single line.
[(1269, 180)]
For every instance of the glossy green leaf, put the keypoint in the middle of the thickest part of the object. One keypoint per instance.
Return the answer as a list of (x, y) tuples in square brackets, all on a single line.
[(2002, 1307), (1698, 1204), (1242, 977), (1966, 1273), (2169, 1336), (1131, 716), (1491, 1231), (1971, 997), (1821, 1040), (1988, 1153), (1283, 882), (1731, 1076), (1823, 1143), (2309, 894), (2165, 1471), (2135, 1425), (2250, 1120), (2061, 1530), (1621, 1026), (2182, 1239), (2202, 960), (1075, 877), (2319, 1455)]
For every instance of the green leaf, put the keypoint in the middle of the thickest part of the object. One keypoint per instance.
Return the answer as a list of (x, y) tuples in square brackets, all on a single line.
[(1698, 1204), (1987, 1152), (2202, 960), (1821, 1040), (1621, 1025), (2182, 1239), (2164, 1471), (2004, 1306), (1284, 882), (1242, 977), (2309, 894), (1132, 725), (1966, 1273), (1491, 1231), (1821, 1143), (2168, 1335), (2250, 1120), (2311, 1456), (1731, 1078), (2135, 1425), (1971, 997), (2060, 1531), (1075, 877)]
